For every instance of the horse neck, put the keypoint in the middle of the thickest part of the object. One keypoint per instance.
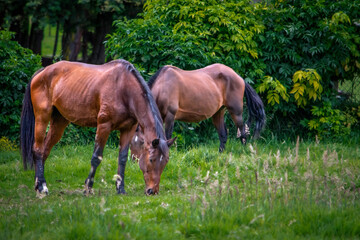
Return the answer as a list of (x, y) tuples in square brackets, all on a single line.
[(146, 119)]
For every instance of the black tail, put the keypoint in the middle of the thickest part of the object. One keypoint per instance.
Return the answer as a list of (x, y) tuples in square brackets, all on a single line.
[(256, 109), (27, 127)]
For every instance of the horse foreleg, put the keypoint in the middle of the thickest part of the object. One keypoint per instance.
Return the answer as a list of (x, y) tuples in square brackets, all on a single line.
[(169, 125), (120, 177), (125, 138), (219, 122), (102, 134)]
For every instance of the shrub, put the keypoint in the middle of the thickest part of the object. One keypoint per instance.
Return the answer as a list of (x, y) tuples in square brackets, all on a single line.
[(306, 87), (191, 34), (7, 145), (327, 122), (17, 65)]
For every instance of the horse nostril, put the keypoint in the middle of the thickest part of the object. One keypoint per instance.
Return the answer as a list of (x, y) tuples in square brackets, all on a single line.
[(149, 191)]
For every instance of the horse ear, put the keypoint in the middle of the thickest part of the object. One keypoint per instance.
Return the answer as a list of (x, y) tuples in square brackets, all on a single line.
[(155, 143), (171, 141)]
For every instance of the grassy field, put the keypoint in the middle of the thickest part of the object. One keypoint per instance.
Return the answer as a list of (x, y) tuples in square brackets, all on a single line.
[(266, 190)]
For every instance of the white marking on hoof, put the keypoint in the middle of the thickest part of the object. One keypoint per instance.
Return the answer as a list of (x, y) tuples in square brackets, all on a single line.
[(161, 157), (44, 192), (238, 133), (117, 177), (136, 138), (100, 158), (36, 182), (247, 129), (45, 189), (118, 180)]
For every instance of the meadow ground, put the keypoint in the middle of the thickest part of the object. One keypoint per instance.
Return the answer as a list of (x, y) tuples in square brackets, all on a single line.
[(265, 190)]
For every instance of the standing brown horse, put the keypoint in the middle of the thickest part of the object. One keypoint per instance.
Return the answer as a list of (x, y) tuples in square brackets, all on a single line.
[(193, 96), (110, 97)]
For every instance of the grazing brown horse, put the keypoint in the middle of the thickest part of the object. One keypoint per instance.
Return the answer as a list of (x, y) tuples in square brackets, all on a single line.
[(110, 97), (193, 96)]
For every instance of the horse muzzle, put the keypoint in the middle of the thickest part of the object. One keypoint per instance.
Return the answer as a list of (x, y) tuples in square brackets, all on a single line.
[(151, 191)]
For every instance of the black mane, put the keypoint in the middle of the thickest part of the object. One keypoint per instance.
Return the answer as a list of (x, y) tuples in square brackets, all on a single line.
[(148, 95), (153, 78)]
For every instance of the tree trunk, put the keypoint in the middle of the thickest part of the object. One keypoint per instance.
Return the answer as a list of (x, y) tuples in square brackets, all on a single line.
[(66, 40), (2, 15), (36, 37), (20, 27), (101, 30), (19, 21), (56, 39), (84, 48), (75, 45)]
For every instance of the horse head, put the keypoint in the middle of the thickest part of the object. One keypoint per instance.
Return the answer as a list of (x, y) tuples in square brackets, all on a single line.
[(152, 161)]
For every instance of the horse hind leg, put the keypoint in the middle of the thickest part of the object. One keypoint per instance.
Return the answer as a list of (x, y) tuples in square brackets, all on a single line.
[(219, 123), (247, 128), (102, 133), (57, 126), (42, 118), (236, 115)]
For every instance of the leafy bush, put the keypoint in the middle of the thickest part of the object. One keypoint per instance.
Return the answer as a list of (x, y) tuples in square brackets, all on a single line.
[(320, 35), (272, 44), (307, 86), (299, 35), (17, 65), (328, 122), (274, 90), (7, 145), (191, 34)]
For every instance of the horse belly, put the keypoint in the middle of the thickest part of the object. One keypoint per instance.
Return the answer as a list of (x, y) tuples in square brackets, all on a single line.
[(78, 108), (78, 114), (197, 110)]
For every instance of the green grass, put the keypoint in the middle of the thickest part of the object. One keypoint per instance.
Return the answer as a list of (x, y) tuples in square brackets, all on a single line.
[(266, 190)]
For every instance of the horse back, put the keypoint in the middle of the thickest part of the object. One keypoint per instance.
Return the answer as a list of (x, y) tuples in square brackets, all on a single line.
[(79, 91), (198, 94)]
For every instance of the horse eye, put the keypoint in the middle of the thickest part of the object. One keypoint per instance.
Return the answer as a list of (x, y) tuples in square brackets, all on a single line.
[(151, 160)]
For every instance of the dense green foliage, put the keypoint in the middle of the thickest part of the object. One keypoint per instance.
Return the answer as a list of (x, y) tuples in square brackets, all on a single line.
[(320, 35), (190, 35), (272, 44), (17, 65), (267, 190)]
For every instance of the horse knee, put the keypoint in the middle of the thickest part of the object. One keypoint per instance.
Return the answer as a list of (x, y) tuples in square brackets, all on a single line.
[(95, 161)]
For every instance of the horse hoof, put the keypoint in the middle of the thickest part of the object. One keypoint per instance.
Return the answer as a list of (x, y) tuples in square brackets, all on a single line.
[(41, 190), (88, 191), (43, 193), (45, 190), (121, 191)]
